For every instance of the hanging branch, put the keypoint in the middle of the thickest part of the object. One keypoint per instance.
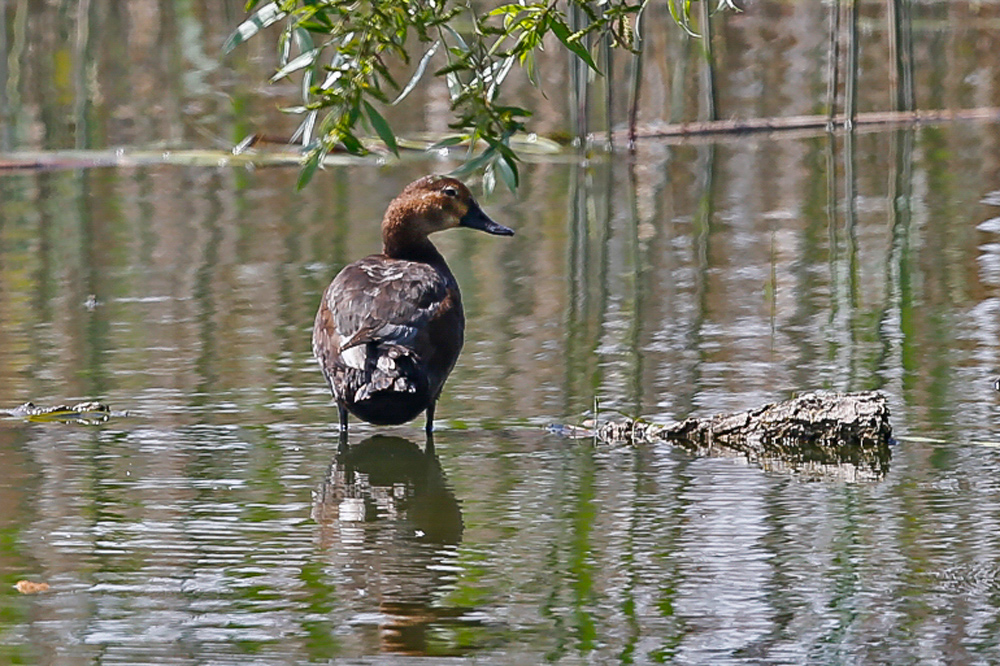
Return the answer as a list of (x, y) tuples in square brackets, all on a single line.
[(344, 50)]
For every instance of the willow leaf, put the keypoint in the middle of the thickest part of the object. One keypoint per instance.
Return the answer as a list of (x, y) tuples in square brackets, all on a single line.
[(508, 172), (265, 16), (562, 32), (382, 128), (309, 167), (418, 73), (298, 62)]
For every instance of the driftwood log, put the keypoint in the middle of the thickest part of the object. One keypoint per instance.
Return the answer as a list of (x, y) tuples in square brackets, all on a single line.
[(813, 429), (802, 125), (85, 412)]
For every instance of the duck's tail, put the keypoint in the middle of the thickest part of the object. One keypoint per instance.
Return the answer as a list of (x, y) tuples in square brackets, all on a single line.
[(387, 368)]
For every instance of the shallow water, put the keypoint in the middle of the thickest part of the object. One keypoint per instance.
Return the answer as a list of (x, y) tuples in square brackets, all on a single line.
[(222, 522)]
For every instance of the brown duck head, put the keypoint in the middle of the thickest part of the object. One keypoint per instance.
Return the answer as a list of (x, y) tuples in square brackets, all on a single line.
[(432, 203)]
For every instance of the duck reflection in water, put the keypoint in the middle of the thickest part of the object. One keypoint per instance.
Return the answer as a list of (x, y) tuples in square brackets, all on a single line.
[(390, 524)]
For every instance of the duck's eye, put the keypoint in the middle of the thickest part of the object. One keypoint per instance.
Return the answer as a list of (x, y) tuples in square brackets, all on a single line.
[(450, 191)]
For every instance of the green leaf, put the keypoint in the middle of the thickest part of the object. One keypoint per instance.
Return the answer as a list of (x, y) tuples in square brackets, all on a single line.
[(508, 172), (304, 132), (451, 68), (265, 16), (418, 73), (528, 63), (455, 87), (499, 74), (298, 62), (474, 164), (458, 38), (562, 32), (381, 128), (507, 9), (506, 151), (309, 167), (682, 15), (514, 110), (489, 179), (351, 144), (303, 40), (448, 141)]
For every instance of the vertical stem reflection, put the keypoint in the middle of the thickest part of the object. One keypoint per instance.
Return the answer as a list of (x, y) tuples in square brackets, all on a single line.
[(589, 292), (851, 89), (906, 90), (896, 63), (898, 266), (578, 80), (702, 230), (900, 29), (833, 65), (708, 64), (608, 88), (833, 240), (640, 268), (635, 82), (81, 61), (205, 294), (850, 227), (680, 58)]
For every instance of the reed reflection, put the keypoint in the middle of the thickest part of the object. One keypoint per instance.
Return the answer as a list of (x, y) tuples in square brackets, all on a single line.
[(389, 523)]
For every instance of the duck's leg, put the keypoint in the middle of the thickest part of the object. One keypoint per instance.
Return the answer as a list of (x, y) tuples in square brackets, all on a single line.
[(430, 417), (343, 417), (341, 410)]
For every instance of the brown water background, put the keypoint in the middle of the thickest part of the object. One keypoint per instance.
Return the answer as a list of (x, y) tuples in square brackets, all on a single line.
[(219, 524)]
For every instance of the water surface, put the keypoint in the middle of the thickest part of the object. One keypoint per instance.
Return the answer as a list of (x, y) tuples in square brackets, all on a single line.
[(224, 522)]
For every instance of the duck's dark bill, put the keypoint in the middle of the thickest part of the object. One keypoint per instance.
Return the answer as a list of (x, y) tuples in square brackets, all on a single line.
[(477, 219)]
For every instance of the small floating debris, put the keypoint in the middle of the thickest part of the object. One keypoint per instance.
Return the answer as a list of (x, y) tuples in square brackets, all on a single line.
[(30, 587), (586, 430), (86, 413)]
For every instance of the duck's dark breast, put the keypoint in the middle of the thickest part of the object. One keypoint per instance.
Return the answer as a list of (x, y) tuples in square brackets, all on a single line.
[(387, 334)]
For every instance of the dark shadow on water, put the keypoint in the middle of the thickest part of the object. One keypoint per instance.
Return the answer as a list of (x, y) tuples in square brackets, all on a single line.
[(390, 524)]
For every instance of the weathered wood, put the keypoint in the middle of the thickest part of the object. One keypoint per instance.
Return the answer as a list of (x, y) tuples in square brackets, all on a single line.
[(815, 428), (880, 119), (85, 412)]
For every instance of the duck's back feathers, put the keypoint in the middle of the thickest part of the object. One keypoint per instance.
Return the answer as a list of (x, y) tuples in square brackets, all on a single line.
[(387, 334)]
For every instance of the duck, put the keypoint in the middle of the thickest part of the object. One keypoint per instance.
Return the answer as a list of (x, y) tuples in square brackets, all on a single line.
[(390, 327)]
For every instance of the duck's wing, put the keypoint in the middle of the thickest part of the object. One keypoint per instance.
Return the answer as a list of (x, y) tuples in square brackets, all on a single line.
[(382, 301)]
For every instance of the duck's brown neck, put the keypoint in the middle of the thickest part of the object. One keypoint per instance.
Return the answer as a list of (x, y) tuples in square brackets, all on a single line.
[(403, 238)]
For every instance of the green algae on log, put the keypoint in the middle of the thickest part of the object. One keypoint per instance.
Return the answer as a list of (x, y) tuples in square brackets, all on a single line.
[(86, 413)]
